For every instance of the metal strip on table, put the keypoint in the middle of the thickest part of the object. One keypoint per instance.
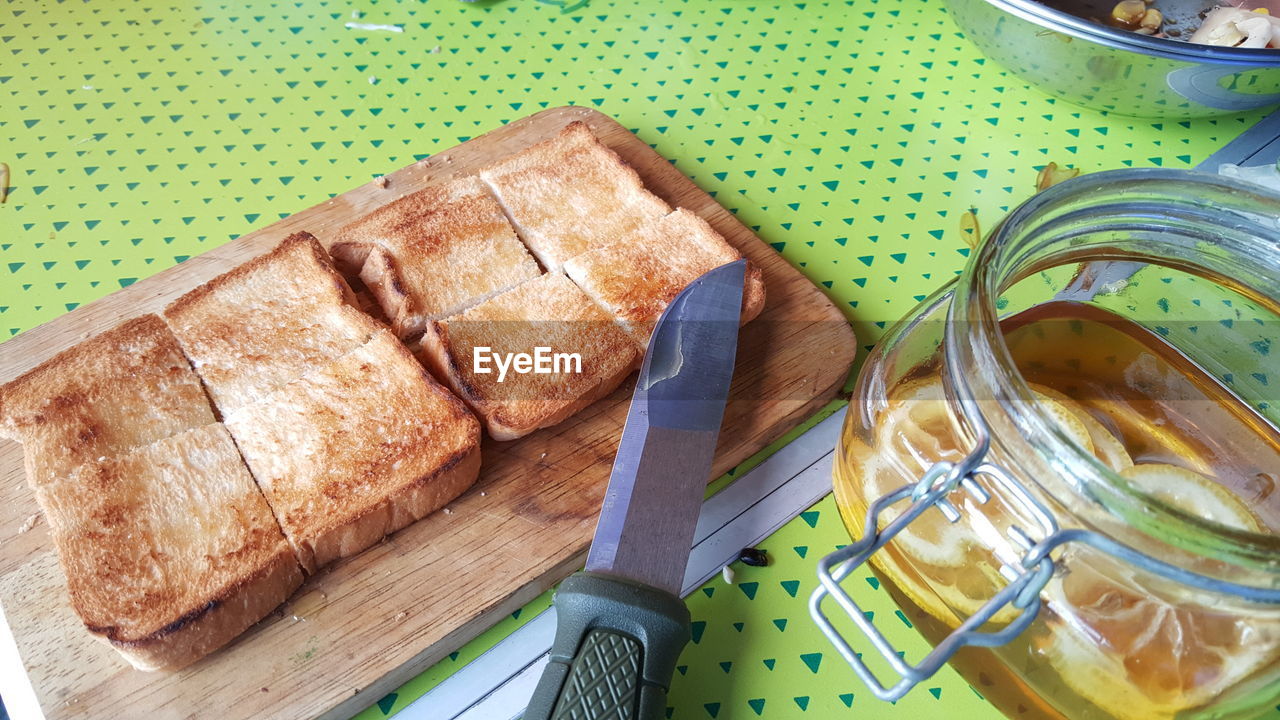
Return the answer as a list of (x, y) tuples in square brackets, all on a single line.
[(498, 683), (1259, 145), (15, 686)]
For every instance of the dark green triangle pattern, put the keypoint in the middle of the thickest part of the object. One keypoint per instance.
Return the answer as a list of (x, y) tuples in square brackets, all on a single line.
[(850, 135), (782, 666)]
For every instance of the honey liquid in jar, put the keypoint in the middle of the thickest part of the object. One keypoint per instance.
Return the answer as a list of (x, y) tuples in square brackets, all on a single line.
[(1108, 642)]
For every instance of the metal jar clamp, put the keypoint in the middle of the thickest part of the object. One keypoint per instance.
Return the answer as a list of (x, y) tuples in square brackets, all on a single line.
[(1026, 578)]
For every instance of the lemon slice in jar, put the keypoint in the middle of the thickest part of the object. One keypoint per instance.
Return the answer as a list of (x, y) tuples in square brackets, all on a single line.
[(915, 432), (1137, 657), (1066, 420), (1133, 653), (938, 572), (929, 561), (1102, 442), (1193, 493)]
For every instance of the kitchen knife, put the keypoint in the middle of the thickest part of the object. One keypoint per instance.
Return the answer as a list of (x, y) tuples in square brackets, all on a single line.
[(620, 622)]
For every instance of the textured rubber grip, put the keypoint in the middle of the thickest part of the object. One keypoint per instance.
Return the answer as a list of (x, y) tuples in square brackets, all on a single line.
[(615, 650), (603, 679)]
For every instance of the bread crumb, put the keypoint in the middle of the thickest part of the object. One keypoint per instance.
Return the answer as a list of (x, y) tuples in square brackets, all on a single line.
[(448, 511), (355, 14), (542, 456), (726, 572), (484, 494), (381, 181), (29, 523), (435, 50), (402, 615)]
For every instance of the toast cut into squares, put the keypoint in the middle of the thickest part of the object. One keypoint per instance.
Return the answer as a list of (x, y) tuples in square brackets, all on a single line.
[(170, 550), (636, 279), (250, 331), (123, 389), (571, 194), (363, 446), (434, 253), (268, 321), (549, 312)]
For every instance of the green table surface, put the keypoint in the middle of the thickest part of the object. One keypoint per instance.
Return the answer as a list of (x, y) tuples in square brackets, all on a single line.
[(849, 135)]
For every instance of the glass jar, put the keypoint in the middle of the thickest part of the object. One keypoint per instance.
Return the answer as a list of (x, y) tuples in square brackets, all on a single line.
[(1063, 465)]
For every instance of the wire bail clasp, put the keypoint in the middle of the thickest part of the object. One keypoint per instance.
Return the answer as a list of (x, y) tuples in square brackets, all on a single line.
[(1026, 578)]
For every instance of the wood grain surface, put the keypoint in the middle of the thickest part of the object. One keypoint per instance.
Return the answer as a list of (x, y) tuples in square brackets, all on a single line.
[(366, 624)]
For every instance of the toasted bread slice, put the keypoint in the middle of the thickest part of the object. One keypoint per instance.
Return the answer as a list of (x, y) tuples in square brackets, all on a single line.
[(357, 449), (549, 312), (571, 194), (268, 321), (120, 390), (433, 253), (170, 550), (636, 279)]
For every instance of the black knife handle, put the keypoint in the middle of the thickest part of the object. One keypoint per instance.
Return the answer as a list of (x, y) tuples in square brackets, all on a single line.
[(615, 650)]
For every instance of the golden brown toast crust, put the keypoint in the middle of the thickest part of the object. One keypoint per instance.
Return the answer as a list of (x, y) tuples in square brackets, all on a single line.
[(405, 506), (268, 321), (117, 391), (434, 252), (550, 312), (357, 449), (218, 622), (300, 245), (350, 439), (170, 550), (637, 278), (571, 194)]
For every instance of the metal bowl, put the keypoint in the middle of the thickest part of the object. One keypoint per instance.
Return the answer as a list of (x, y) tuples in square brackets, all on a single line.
[(1104, 68)]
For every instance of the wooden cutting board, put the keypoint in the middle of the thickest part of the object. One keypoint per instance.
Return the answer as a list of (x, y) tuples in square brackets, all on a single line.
[(365, 625)]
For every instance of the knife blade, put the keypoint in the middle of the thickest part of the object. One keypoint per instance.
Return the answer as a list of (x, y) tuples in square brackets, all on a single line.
[(620, 622)]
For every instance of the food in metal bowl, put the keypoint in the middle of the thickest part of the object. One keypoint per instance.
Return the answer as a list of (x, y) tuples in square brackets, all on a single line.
[(1069, 49), (1237, 27), (1227, 23)]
